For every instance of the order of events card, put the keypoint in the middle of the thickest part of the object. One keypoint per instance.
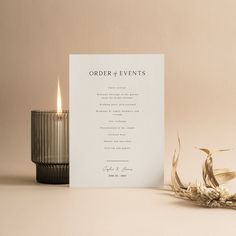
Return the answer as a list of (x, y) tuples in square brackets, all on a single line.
[(116, 120)]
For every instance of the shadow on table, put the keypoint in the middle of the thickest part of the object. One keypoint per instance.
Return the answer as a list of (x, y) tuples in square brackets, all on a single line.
[(12, 180), (186, 204)]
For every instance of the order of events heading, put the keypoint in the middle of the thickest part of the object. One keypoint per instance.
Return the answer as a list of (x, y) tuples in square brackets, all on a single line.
[(116, 73)]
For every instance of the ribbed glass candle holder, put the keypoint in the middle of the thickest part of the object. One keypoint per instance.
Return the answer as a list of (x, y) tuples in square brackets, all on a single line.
[(50, 146)]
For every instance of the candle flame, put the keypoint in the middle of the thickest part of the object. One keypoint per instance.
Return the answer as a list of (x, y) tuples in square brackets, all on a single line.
[(59, 106)]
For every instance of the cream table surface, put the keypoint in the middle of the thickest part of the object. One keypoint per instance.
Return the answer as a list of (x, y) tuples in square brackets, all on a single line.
[(198, 40), (29, 208)]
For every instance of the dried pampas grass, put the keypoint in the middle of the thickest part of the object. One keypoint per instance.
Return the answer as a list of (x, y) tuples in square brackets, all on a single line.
[(210, 193)]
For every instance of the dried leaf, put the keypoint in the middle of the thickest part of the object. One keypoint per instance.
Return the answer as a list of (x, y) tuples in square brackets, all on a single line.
[(205, 150), (224, 150), (177, 184), (208, 174), (225, 176)]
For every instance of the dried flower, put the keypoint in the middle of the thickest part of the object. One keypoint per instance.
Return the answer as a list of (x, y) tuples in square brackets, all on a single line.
[(209, 193)]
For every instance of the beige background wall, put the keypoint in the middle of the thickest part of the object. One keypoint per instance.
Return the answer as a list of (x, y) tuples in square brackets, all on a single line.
[(198, 39)]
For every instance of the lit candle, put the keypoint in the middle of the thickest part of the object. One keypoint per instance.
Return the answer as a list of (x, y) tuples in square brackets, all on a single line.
[(50, 144)]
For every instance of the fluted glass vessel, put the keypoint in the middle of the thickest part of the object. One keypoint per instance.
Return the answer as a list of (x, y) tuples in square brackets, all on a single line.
[(50, 146)]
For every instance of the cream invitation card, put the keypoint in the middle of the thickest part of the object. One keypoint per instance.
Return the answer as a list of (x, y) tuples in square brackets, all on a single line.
[(116, 120)]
